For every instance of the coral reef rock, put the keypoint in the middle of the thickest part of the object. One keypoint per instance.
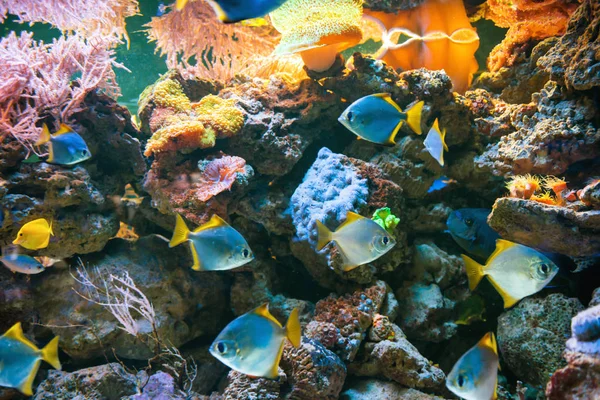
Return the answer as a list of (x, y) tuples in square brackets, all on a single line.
[(531, 336), (579, 380), (160, 386), (241, 386), (548, 228), (187, 304), (585, 332), (369, 389)]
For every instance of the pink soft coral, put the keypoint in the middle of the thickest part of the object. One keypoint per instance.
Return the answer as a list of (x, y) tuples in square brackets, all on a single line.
[(219, 175)]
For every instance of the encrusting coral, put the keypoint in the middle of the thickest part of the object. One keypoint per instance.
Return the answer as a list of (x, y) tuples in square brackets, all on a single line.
[(318, 29)]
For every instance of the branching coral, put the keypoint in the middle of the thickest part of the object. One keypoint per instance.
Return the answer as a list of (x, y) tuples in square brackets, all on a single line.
[(318, 29), (36, 80), (219, 175), (91, 19), (197, 44)]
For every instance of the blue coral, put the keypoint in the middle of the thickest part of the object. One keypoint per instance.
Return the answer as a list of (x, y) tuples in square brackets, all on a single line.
[(585, 329), (331, 187)]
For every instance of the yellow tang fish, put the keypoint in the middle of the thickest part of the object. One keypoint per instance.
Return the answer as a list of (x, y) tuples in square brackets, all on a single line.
[(20, 359), (435, 144), (475, 374), (215, 246), (516, 271), (360, 240), (253, 343), (34, 234), (377, 118)]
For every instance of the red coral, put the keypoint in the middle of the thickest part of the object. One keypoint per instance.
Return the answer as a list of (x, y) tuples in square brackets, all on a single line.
[(219, 175)]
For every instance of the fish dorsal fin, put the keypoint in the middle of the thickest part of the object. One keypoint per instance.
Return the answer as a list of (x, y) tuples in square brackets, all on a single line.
[(350, 218), (44, 136), (388, 99), (215, 222), (501, 246), (16, 333), (263, 311), (489, 342), (62, 129)]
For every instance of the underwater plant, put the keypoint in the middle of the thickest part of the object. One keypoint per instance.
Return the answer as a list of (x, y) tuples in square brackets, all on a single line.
[(385, 219)]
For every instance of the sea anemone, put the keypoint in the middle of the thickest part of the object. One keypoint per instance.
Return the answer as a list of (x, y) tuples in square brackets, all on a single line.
[(218, 175), (545, 198), (523, 186), (555, 184)]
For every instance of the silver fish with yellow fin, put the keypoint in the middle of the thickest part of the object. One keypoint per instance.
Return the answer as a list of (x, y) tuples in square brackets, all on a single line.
[(35, 234), (20, 359), (253, 343), (215, 246), (360, 240), (377, 118), (22, 264), (435, 144), (475, 374), (65, 147), (516, 271)]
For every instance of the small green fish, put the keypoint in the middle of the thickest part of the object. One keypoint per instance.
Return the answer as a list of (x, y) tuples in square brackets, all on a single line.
[(22, 263), (377, 118), (360, 240), (20, 359), (215, 246), (516, 271), (253, 343), (435, 144), (475, 374), (65, 147)]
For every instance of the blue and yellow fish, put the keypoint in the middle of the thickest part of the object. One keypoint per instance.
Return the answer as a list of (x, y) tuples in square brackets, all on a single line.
[(469, 228), (230, 11), (435, 142), (253, 343), (20, 359), (475, 374), (35, 234), (65, 147), (22, 263), (377, 118), (215, 246)]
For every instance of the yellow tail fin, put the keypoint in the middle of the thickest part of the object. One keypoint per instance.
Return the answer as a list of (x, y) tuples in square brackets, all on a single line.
[(323, 235), (50, 353), (413, 117), (181, 232), (44, 136), (474, 271), (51, 231), (180, 4), (292, 328)]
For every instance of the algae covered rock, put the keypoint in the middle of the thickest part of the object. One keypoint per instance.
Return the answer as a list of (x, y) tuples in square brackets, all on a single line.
[(369, 389), (532, 335), (578, 380)]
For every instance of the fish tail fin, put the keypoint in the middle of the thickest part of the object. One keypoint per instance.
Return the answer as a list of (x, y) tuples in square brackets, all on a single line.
[(324, 235), (44, 136), (474, 271), (413, 117), (292, 328), (51, 231), (180, 4), (50, 353), (181, 232)]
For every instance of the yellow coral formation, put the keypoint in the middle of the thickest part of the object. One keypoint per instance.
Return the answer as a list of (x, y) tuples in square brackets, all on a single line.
[(169, 94), (523, 186), (221, 115), (318, 29), (184, 136), (545, 198)]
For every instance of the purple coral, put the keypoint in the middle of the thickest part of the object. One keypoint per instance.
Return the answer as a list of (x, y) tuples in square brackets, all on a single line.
[(585, 330)]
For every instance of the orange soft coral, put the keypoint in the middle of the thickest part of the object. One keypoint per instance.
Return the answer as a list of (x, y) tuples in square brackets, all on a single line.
[(523, 186), (545, 198), (218, 175), (557, 185), (434, 35), (527, 20)]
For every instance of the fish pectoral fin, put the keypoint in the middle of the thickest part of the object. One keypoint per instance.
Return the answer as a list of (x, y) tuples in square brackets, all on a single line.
[(293, 330), (197, 266), (16, 333), (214, 222), (62, 129), (26, 387), (263, 311), (50, 353), (474, 271)]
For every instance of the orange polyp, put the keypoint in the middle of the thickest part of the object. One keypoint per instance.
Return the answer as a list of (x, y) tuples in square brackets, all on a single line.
[(443, 39)]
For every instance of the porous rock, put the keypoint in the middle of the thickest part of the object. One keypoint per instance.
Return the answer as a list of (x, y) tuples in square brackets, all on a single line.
[(369, 389), (579, 380)]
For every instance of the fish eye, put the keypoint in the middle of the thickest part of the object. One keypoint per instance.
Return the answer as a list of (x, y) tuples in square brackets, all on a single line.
[(221, 347), (20, 234), (84, 152), (246, 253), (385, 240), (544, 268), (461, 380), (469, 221), (350, 115)]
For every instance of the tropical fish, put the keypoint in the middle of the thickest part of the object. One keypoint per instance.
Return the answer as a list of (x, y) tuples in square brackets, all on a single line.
[(377, 118), (35, 234), (131, 198), (253, 343), (516, 271), (360, 240), (22, 263), (215, 246), (469, 228), (20, 359), (441, 183), (475, 374), (65, 147), (435, 144), (255, 22), (230, 11)]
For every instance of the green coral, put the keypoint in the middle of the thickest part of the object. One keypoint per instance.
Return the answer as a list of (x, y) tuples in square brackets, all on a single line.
[(386, 219)]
